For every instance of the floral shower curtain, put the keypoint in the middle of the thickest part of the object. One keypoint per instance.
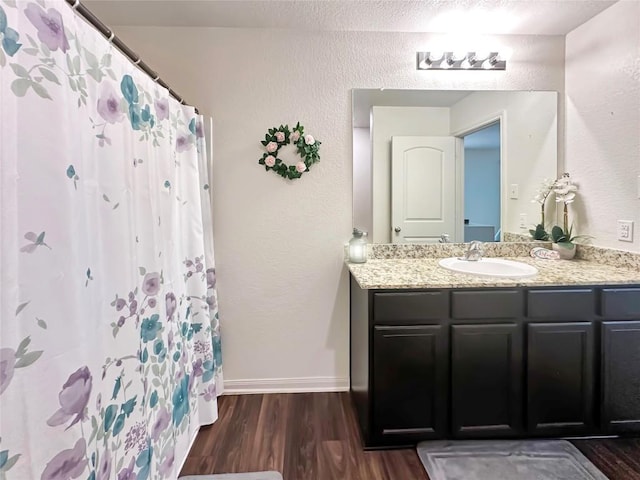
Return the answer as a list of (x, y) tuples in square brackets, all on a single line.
[(109, 336)]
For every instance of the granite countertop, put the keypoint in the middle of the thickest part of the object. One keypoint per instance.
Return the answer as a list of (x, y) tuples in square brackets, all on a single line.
[(426, 273)]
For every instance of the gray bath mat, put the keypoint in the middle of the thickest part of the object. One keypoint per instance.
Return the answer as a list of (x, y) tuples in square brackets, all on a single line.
[(506, 460), (237, 476)]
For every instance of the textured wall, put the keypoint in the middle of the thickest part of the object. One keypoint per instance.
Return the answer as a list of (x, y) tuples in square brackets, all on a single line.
[(603, 122), (283, 289)]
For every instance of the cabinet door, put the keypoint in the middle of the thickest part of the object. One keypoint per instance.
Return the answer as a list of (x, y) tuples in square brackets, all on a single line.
[(486, 381), (621, 377), (560, 378), (409, 383)]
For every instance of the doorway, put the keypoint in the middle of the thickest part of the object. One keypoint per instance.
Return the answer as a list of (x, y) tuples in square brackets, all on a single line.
[(482, 199), (423, 189)]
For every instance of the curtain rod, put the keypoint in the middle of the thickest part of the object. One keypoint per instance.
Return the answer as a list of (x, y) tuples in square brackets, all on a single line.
[(120, 45)]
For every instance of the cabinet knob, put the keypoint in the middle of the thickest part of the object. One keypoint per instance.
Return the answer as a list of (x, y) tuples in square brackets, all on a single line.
[(397, 229)]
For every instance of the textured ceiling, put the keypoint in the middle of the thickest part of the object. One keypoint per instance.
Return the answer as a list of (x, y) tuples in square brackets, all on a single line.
[(527, 17)]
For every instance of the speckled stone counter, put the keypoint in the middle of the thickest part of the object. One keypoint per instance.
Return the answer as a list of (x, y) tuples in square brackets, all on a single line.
[(426, 273), (443, 250)]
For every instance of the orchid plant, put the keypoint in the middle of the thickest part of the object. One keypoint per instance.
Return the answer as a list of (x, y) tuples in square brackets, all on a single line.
[(543, 192), (565, 238), (565, 191)]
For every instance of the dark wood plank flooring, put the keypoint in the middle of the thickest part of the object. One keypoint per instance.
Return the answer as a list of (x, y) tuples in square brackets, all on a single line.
[(314, 436)]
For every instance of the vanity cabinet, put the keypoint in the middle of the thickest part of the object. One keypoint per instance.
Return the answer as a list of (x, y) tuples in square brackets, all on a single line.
[(411, 382), (486, 363), (621, 376), (486, 391), (494, 362), (409, 349), (620, 360), (560, 378)]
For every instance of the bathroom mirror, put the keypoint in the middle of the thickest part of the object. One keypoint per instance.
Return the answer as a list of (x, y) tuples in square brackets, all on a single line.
[(460, 163)]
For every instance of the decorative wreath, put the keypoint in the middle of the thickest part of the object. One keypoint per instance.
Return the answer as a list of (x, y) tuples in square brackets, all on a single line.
[(306, 146)]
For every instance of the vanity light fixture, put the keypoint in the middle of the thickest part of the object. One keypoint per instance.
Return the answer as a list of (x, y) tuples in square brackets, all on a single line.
[(460, 61)]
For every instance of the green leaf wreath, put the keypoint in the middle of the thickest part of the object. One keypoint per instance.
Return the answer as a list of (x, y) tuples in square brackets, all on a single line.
[(306, 146)]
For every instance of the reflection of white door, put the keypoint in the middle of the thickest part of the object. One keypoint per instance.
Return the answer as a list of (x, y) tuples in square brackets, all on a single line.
[(423, 189)]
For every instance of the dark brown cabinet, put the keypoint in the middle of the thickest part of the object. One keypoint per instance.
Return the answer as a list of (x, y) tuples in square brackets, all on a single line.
[(486, 380), (410, 382), (621, 376), (560, 378), (494, 362)]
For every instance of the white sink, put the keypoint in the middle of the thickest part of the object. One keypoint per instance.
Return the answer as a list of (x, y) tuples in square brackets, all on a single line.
[(489, 267)]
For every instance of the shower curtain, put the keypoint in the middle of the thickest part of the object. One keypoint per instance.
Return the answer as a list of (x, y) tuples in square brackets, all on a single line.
[(109, 335)]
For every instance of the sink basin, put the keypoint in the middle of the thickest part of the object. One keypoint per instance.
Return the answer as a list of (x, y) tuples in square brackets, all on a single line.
[(489, 267)]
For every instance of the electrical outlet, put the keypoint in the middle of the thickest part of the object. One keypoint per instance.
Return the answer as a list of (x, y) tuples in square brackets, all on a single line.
[(523, 220), (625, 230), (514, 191)]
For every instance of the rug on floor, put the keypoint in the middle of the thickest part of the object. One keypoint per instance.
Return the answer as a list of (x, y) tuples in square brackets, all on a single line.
[(506, 459), (236, 476)]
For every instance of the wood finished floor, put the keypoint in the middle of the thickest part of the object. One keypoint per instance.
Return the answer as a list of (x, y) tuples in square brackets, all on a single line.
[(314, 436)]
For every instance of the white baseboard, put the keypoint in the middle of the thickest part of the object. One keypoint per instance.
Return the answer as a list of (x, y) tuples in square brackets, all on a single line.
[(286, 385)]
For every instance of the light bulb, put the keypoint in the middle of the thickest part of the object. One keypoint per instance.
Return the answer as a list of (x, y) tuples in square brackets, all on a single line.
[(435, 55), (449, 60)]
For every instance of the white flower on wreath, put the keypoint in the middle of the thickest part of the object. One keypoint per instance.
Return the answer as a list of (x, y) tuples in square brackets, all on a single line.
[(270, 161), (272, 147), (565, 189), (300, 167), (280, 137), (295, 136), (309, 140)]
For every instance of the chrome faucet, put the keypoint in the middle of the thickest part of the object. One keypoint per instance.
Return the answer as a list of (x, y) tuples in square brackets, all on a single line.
[(474, 251), (444, 238)]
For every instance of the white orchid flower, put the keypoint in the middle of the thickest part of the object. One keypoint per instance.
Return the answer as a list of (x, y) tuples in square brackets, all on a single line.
[(543, 191), (565, 189), (568, 197)]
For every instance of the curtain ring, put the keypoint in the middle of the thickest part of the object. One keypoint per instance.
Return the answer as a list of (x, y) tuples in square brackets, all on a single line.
[(156, 78), (111, 37), (75, 5), (137, 61)]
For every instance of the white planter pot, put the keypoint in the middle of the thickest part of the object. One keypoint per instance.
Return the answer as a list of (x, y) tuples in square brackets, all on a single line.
[(564, 252)]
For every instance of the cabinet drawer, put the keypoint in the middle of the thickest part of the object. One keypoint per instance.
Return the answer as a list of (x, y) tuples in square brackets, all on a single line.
[(577, 303), (620, 302), (486, 304), (409, 307)]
